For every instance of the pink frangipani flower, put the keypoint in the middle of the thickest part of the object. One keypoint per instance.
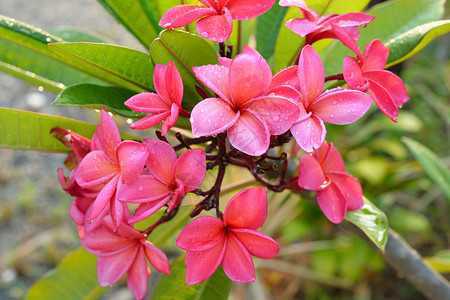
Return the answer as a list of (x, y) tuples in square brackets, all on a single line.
[(336, 106), (315, 27), (244, 109), (107, 169), (367, 73), (216, 19), (165, 104), (125, 251), (211, 242), (170, 179), (337, 192)]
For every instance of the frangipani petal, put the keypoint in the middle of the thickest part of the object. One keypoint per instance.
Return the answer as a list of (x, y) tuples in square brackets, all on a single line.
[(279, 113), (215, 77), (341, 106), (250, 134), (309, 133), (147, 103), (286, 77), (383, 99), (332, 203), (311, 74), (101, 241), (287, 92), (95, 169), (331, 160), (353, 75), (190, 168), (174, 84), (256, 243), (310, 174), (375, 56), (212, 116), (302, 27), (137, 275), (109, 135), (150, 121), (161, 160), (249, 76), (183, 15), (346, 38), (349, 187), (201, 265), (132, 157), (237, 263), (156, 257), (247, 209), (216, 27), (248, 9), (144, 189), (145, 210), (171, 119), (111, 268), (201, 234), (392, 83), (104, 197)]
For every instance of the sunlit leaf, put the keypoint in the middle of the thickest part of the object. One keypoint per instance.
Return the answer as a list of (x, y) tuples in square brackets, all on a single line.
[(186, 51), (96, 96), (440, 262), (174, 286), (432, 164), (70, 34), (372, 221), (267, 29)]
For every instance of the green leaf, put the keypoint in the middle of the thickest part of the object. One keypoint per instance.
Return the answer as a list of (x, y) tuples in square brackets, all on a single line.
[(74, 278), (96, 96), (24, 130), (267, 29), (440, 262), (372, 221), (409, 43), (69, 34), (118, 65), (289, 44), (136, 16), (24, 53), (186, 51), (392, 19), (432, 164), (174, 286)]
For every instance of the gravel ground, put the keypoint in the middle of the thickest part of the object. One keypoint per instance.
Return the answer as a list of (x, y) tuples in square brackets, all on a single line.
[(32, 204)]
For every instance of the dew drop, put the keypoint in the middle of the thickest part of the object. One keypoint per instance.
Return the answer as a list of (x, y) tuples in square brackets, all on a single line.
[(140, 188), (276, 118), (204, 34)]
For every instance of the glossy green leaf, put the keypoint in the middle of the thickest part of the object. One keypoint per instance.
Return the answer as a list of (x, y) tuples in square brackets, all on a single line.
[(96, 96), (267, 29), (69, 34), (440, 262), (74, 278), (186, 51), (118, 65), (392, 19), (24, 53), (174, 286), (289, 44), (372, 221), (24, 130), (136, 16), (409, 43), (432, 164)]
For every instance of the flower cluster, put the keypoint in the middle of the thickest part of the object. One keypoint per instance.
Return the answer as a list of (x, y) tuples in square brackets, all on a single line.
[(251, 113)]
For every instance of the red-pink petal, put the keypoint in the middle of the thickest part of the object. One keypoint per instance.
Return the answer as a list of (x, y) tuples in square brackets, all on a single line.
[(278, 112), (112, 267), (375, 56), (353, 75), (156, 257), (201, 234), (392, 83), (144, 189), (145, 210), (350, 188), (159, 80), (215, 77), (216, 28), (247, 209), (341, 106), (248, 9), (95, 169), (332, 203), (183, 15), (311, 74), (250, 133), (237, 263), (256, 243), (287, 92), (310, 174), (171, 120), (104, 197), (161, 160), (147, 103), (346, 38), (201, 265), (332, 160), (109, 134), (212, 116), (101, 241), (190, 168), (288, 76), (174, 84), (150, 121), (309, 133), (225, 62), (383, 99), (137, 275), (132, 157), (249, 76), (301, 26)]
